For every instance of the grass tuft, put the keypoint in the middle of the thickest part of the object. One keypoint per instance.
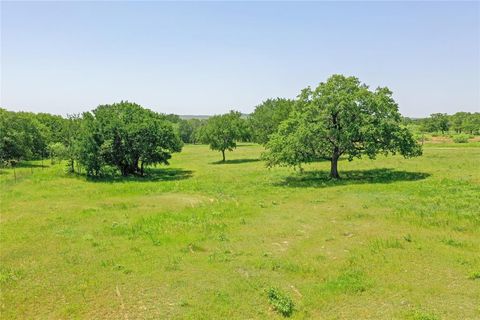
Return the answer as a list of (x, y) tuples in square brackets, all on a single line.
[(350, 281)]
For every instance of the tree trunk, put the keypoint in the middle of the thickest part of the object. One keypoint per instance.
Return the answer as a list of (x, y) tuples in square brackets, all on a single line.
[(223, 155), (334, 164), (124, 170), (141, 169), (71, 165), (135, 168)]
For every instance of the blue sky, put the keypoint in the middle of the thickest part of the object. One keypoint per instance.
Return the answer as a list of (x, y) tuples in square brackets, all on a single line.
[(210, 57)]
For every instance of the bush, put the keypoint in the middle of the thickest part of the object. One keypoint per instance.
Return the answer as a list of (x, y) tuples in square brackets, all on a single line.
[(281, 302), (461, 138)]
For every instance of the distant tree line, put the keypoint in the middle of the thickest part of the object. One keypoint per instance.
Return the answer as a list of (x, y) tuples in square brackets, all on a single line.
[(340, 117), (460, 122)]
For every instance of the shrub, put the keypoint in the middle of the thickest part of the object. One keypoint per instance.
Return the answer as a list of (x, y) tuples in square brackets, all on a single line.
[(281, 302), (453, 243), (422, 137), (461, 138)]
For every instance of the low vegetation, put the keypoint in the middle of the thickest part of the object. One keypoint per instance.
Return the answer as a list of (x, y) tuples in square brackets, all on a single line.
[(281, 302), (393, 239)]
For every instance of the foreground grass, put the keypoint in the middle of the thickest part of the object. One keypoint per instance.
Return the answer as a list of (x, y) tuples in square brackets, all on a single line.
[(394, 238)]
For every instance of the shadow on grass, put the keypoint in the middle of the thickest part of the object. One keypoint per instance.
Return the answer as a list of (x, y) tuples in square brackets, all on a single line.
[(151, 174), (321, 179), (30, 165), (235, 161), (246, 144)]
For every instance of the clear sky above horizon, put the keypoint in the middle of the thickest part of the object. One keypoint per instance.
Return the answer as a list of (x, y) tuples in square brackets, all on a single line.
[(210, 57)]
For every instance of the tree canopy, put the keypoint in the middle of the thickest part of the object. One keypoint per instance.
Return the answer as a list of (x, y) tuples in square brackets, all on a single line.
[(341, 117), (126, 136), (21, 136), (267, 117), (437, 122)]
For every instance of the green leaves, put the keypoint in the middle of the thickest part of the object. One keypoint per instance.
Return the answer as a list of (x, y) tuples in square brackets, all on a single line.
[(21, 136), (267, 117), (340, 117), (222, 132), (281, 302), (126, 136)]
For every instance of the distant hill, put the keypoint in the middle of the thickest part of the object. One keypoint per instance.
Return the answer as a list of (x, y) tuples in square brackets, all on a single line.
[(191, 116), (202, 117)]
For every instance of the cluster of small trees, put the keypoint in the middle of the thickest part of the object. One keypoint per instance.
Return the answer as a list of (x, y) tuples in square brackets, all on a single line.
[(122, 136)]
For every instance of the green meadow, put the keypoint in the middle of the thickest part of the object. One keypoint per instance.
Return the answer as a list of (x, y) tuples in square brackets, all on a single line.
[(200, 239)]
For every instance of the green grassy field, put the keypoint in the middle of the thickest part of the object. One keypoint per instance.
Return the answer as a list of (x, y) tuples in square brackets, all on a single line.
[(394, 239)]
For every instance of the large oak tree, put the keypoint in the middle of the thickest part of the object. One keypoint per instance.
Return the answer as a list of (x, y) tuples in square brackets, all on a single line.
[(341, 117)]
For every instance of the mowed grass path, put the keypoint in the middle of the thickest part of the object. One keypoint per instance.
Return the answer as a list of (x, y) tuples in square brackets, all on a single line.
[(394, 239)]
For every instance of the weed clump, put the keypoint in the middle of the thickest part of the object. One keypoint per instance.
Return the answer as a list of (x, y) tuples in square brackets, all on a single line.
[(475, 275), (281, 302), (421, 315), (453, 243), (350, 281)]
